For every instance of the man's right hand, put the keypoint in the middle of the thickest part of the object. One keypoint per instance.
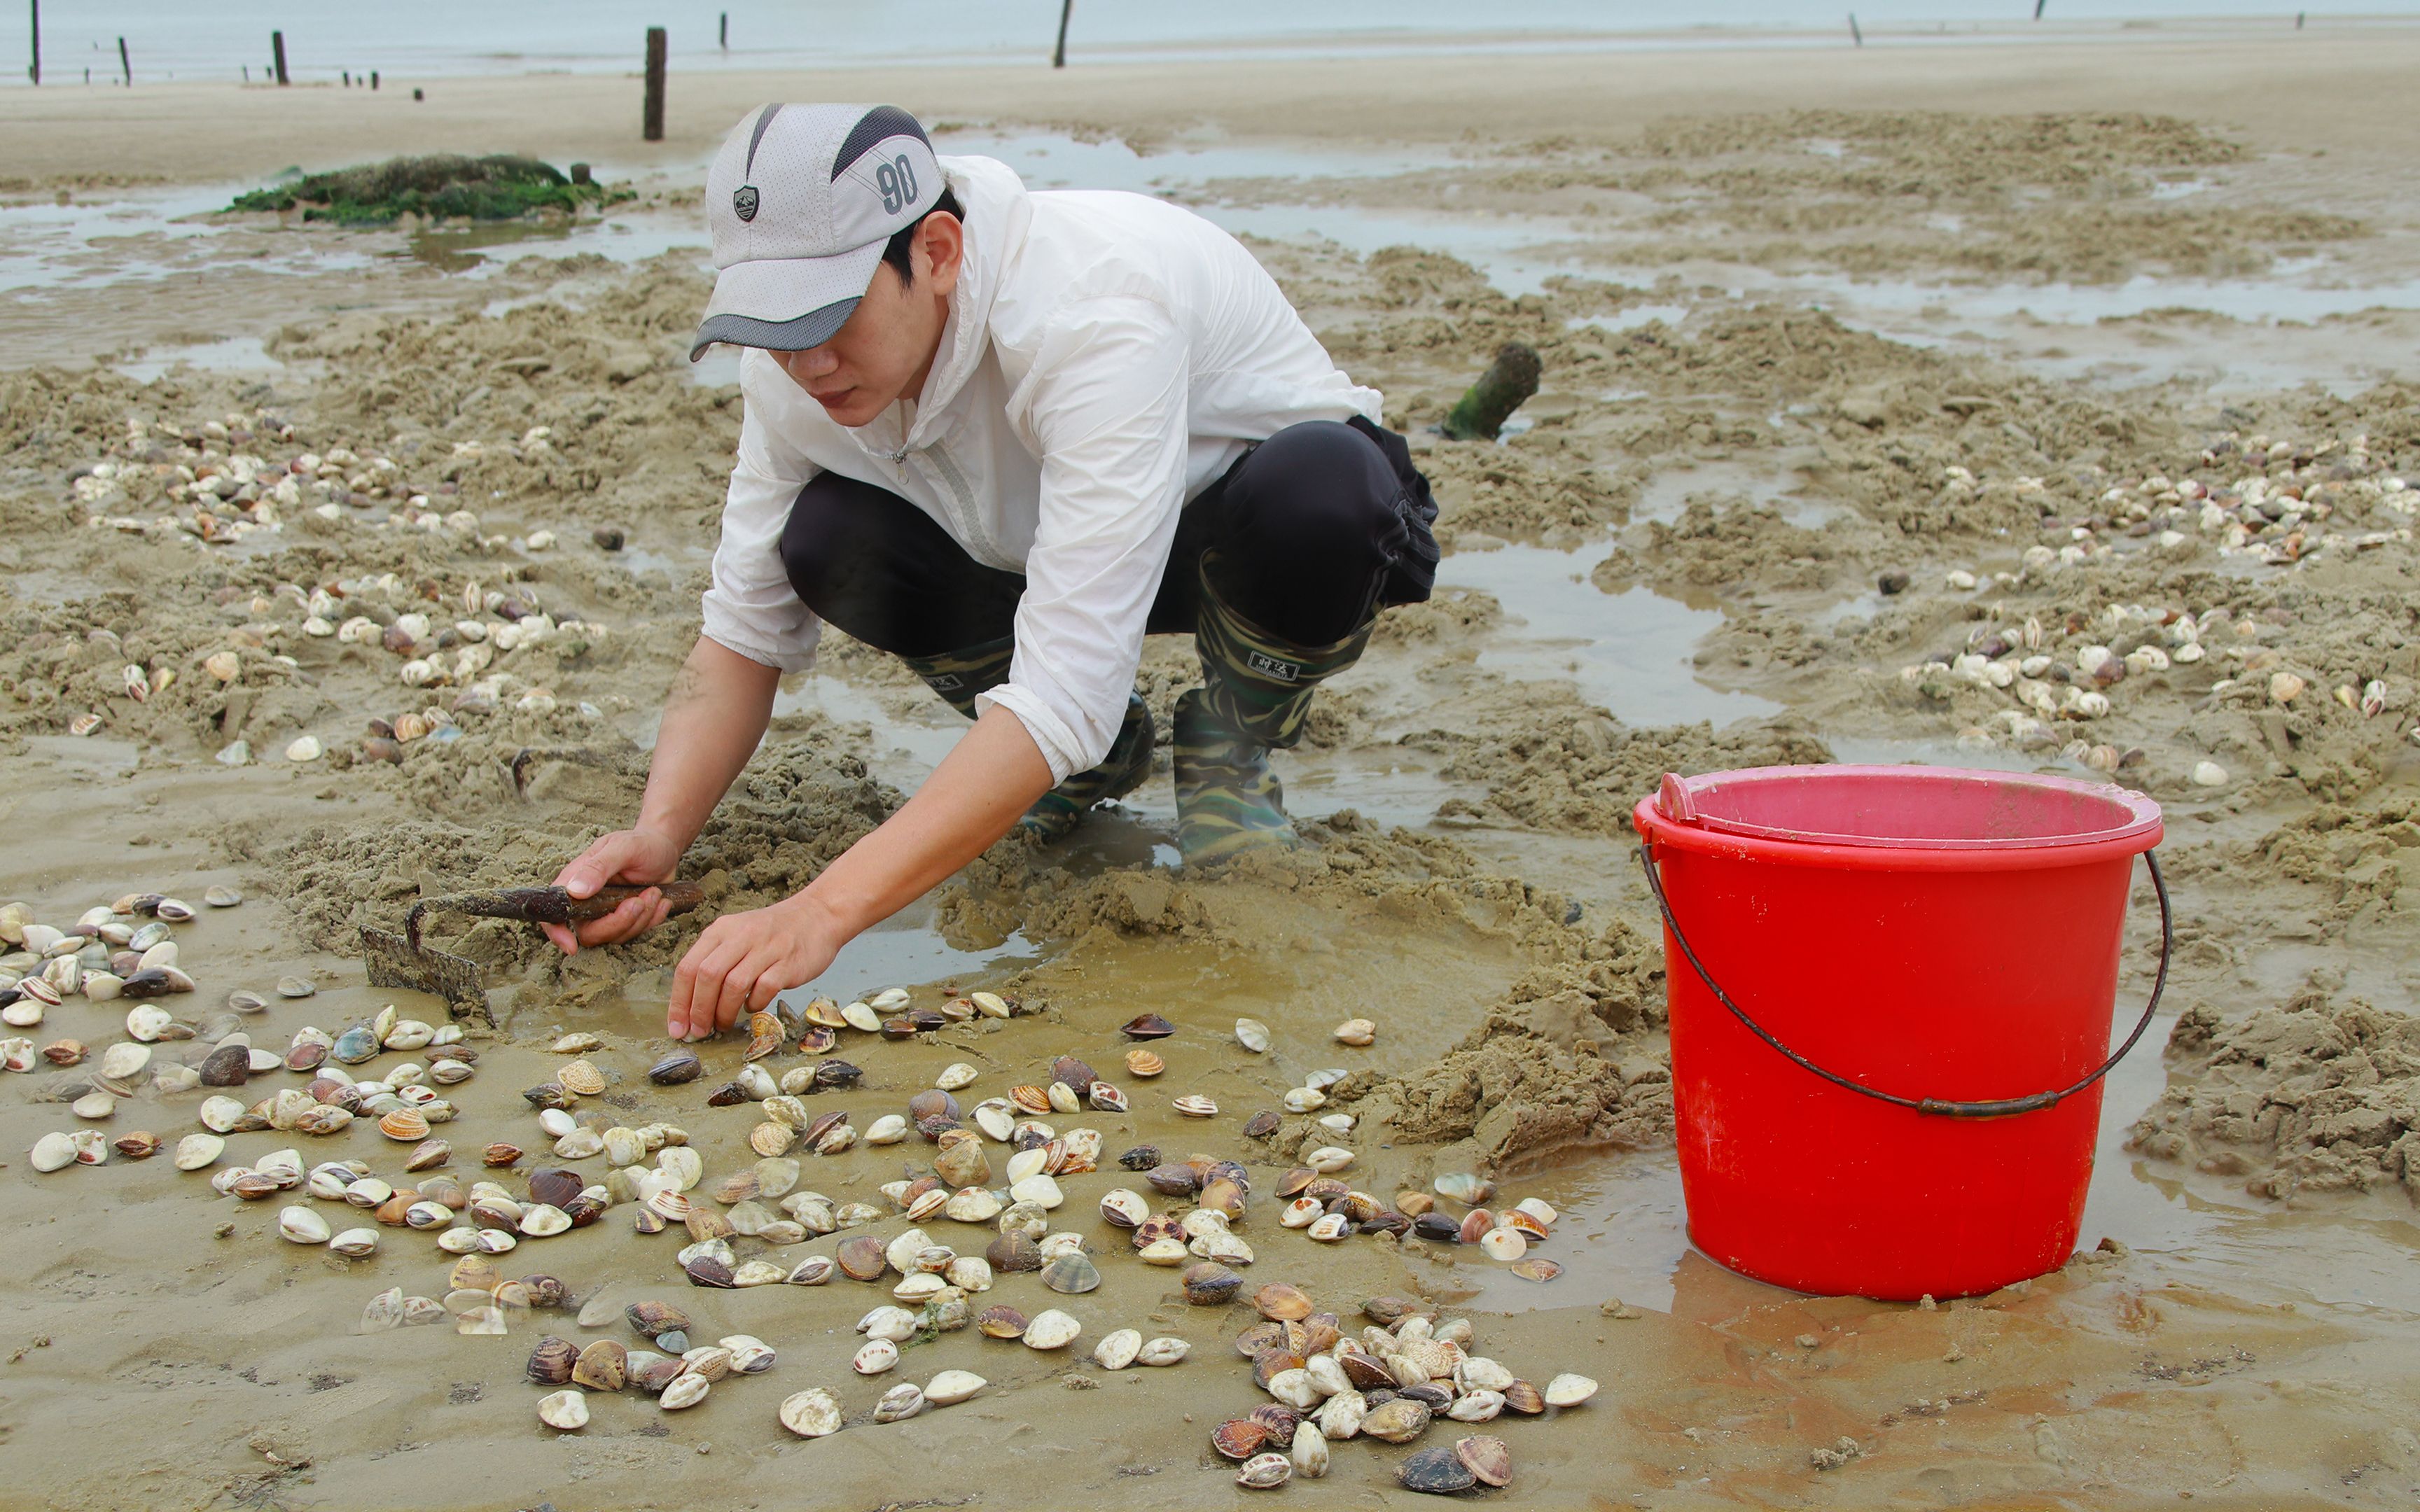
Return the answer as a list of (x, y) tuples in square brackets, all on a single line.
[(627, 855)]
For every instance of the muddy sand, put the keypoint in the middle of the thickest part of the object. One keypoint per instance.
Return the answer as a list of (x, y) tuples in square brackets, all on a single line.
[(1873, 428)]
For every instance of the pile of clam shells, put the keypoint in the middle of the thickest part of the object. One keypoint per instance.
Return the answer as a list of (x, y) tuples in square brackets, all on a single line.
[(676, 1373), (479, 1301), (1390, 1383)]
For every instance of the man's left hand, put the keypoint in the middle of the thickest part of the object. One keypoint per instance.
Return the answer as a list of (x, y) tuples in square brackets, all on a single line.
[(744, 960)]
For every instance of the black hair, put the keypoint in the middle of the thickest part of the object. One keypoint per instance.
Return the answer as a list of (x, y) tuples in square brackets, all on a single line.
[(894, 251)]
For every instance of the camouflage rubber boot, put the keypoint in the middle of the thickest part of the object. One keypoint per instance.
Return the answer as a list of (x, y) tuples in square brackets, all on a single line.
[(1256, 694), (1056, 813), (961, 676)]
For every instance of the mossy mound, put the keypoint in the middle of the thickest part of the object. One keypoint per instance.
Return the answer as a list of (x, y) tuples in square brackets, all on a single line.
[(500, 187)]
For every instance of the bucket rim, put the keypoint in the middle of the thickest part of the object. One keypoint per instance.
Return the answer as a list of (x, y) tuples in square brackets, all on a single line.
[(1678, 815)]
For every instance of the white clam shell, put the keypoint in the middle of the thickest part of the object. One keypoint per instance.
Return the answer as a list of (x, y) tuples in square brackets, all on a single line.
[(1309, 1452), (564, 1409), (1328, 1159), (951, 1387), (812, 1413), (1569, 1390), (1051, 1329), (197, 1150), (1252, 1035), (52, 1152), (1294, 1388), (1040, 1190), (123, 1060), (355, 1242), (956, 1075), (302, 1226), (887, 1130), (146, 1022), (900, 1402), (687, 1390), (1163, 1351), (1117, 1350), (875, 1357)]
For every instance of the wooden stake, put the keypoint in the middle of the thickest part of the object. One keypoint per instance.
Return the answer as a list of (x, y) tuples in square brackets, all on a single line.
[(1059, 54), (1854, 35), (651, 122), (123, 65), (2038, 7), (723, 32), (277, 50), (34, 69)]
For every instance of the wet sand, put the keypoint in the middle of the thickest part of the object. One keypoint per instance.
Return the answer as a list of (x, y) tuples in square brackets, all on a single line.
[(1799, 336)]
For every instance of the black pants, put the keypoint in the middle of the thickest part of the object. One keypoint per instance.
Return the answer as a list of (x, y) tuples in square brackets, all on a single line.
[(1309, 534)]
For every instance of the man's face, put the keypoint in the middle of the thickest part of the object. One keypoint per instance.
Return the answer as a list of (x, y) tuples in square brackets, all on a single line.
[(886, 348)]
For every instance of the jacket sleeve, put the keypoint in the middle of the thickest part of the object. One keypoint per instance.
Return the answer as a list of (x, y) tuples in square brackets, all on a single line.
[(750, 606), (1106, 403)]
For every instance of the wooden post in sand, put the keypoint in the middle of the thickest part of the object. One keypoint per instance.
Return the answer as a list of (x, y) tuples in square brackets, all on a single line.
[(34, 69), (124, 67), (1856, 36), (1059, 54), (651, 120), (722, 31), (277, 53)]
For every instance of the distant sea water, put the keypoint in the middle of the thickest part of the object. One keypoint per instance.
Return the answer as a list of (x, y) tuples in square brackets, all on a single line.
[(190, 39)]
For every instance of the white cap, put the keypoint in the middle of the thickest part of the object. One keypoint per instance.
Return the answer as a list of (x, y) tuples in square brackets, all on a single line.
[(799, 201)]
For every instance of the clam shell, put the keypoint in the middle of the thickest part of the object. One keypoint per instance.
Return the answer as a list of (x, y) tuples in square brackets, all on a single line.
[(1211, 1284), (603, 1365), (1239, 1438), (904, 1400), (1438, 1470), (1486, 1458), (1340, 1416), (1162, 1351), (1309, 1452), (1071, 1274), (577, 1076), (875, 1357), (1265, 1472), (1475, 1407), (1569, 1390), (1505, 1244), (355, 1242), (1400, 1422), (301, 1226), (404, 1126), (687, 1390), (1252, 1035), (680, 1066), (951, 1387), (1051, 1330), (565, 1411), (1196, 1106), (812, 1413), (54, 1152)]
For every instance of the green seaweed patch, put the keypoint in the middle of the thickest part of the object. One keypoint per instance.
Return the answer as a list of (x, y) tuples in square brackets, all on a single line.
[(500, 187)]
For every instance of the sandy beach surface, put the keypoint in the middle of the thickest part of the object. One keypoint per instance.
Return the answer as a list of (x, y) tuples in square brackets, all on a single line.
[(2035, 404)]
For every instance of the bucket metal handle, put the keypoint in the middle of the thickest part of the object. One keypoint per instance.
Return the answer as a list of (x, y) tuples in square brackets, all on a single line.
[(1937, 1106)]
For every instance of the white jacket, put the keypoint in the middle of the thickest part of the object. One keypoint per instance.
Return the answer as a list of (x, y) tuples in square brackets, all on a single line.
[(1107, 357)]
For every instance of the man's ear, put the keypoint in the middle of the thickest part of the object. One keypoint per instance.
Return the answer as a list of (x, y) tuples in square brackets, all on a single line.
[(939, 249)]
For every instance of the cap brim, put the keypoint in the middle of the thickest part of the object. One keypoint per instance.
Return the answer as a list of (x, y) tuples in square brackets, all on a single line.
[(785, 304)]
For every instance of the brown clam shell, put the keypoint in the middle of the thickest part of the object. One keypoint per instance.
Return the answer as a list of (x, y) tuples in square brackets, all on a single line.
[(1272, 1363), (1486, 1458), (1239, 1438), (1285, 1304), (554, 1186), (1074, 1072), (1223, 1196), (1174, 1180), (1280, 1421), (1210, 1284), (706, 1271), (1436, 1471), (680, 1066), (603, 1365), (1143, 1063), (1261, 1124), (1365, 1372), (501, 1154), (932, 1102), (1000, 1322), (1030, 1099), (649, 1318), (1477, 1225), (1147, 1026), (1014, 1252), (1524, 1399), (1264, 1335), (551, 1364), (544, 1290), (730, 1094), (765, 1035), (861, 1258), (1295, 1181)]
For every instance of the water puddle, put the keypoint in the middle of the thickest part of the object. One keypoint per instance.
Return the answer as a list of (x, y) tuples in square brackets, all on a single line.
[(1628, 652), (235, 354)]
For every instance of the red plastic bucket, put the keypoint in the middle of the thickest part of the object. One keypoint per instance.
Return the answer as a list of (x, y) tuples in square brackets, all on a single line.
[(1913, 942)]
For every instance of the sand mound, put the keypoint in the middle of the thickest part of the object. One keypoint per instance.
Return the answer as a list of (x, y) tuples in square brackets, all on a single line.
[(2314, 1096)]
